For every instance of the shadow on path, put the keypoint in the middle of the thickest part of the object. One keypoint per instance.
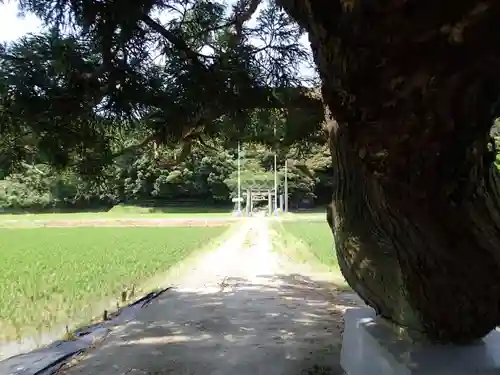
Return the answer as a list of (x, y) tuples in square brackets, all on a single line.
[(280, 324)]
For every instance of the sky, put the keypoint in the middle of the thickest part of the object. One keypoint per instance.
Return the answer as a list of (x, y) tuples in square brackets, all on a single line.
[(12, 26)]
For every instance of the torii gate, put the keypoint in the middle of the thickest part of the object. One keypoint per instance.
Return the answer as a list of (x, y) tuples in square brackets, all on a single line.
[(258, 195)]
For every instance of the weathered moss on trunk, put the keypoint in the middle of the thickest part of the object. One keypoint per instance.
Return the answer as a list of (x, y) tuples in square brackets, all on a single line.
[(412, 86)]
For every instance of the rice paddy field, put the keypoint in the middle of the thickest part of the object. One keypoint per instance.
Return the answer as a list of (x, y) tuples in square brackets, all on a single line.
[(312, 241), (51, 275)]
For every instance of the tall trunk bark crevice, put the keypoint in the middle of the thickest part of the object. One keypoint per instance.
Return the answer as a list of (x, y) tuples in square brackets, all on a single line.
[(415, 214)]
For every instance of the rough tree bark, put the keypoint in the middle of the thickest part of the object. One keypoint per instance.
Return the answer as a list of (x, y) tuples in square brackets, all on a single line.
[(413, 87)]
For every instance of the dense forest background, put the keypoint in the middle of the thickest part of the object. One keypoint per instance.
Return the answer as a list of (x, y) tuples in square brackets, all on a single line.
[(207, 176)]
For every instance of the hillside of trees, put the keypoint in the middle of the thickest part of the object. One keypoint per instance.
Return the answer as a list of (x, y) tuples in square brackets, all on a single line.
[(207, 176)]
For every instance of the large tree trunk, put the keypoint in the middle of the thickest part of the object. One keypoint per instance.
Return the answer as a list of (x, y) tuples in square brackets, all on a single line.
[(412, 86)]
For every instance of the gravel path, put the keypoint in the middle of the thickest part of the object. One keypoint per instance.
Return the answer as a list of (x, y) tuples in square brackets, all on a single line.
[(242, 310)]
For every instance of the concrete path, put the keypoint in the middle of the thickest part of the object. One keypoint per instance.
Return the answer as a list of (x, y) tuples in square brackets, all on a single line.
[(244, 310)]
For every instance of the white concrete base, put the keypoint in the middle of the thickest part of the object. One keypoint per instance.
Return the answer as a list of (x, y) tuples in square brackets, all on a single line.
[(370, 347)]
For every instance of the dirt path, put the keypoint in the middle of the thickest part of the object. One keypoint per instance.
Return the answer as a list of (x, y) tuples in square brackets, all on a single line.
[(243, 311)]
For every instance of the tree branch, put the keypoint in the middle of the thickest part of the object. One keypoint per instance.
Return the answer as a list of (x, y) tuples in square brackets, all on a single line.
[(136, 147), (242, 12), (180, 44)]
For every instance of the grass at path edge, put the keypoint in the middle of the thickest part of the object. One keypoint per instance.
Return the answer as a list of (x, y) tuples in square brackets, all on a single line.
[(308, 243)]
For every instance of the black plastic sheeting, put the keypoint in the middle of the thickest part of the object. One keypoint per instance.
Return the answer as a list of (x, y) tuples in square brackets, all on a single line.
[(49, 359)]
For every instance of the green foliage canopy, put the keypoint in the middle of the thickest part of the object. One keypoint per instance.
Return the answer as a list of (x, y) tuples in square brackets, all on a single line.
[(169, 70)]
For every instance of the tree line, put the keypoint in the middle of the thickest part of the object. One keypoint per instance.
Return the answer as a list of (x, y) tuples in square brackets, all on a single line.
[(206, 176)]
